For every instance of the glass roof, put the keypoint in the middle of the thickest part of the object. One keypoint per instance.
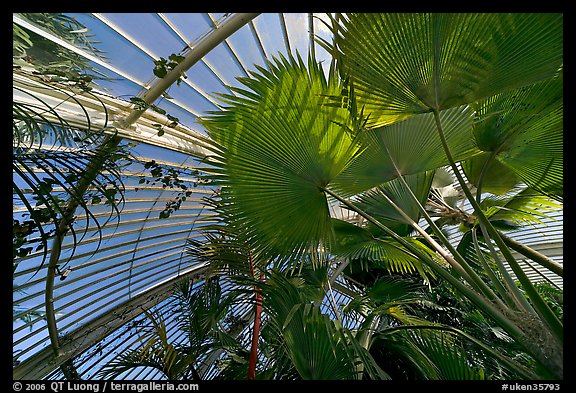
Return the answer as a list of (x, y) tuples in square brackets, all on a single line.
[(138, 251)]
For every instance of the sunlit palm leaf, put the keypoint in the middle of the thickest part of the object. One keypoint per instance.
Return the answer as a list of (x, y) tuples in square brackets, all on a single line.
[(360, 245), (404, 64), (375, 204), (497, 179), (280, 146), (525, 207), (413, 145), (524, 128)]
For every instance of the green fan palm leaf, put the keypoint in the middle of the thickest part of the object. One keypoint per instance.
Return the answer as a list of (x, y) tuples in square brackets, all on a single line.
[(408, 147), (374, 203), (405, 64), (523, 129), (281, 145), (359, 244)]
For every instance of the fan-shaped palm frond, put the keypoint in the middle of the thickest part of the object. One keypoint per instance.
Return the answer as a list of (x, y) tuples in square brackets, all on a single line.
[(524, 207), (407, 147), (523, 131), (369, 252), (405, 64), (496, 178), (376, 201), (286, 157)]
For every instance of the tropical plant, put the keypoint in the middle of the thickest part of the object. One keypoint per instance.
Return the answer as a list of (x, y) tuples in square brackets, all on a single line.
[(202, 314), (406, 93), (80, 162), (407, 96), (61, 167)]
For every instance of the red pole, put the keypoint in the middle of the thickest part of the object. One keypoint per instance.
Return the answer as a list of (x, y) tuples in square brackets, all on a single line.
[(256, 330)]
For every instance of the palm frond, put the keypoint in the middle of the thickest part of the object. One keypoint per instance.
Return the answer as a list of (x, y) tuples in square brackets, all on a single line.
[(316, 346), (295, 148), (156, 351), (410, 146), (524, 129), (369, 252), (496, 178), (406, 64), (450, 357), (375, 204), (525, 207)]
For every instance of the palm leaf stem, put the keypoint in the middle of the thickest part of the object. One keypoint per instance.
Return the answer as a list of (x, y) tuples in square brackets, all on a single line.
[(475, 297), (520, 369), (509, 299), (333, 301), (528, 252), (518, 298), (517, 294), (543, 355), (471, 275), (540, 305), (449, 258)]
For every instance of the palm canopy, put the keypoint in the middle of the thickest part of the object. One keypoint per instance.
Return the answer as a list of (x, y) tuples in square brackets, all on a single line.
[(523, 129), (412, 88), (406, 64), (311, 133), (416, 93)]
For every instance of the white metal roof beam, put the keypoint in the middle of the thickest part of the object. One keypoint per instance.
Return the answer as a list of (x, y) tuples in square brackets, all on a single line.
[(212, 40), (179, 138), (259, 41), (57, 40), (285, 32), (153, 56), (228, 46), (190, 45), (43, 362)]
